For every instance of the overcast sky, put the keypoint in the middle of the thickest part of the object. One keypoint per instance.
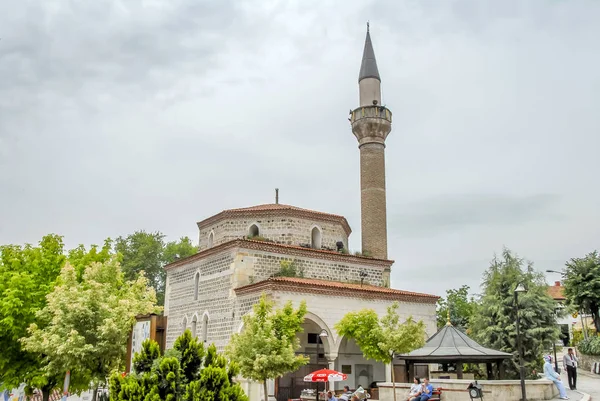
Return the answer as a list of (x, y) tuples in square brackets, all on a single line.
[(122, 115)]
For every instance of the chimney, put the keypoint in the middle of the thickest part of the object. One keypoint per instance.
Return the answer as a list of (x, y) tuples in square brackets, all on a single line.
[(277, 196), (557, 284)]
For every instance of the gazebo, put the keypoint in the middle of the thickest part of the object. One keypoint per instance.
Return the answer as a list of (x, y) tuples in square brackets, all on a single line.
[(451, 346)]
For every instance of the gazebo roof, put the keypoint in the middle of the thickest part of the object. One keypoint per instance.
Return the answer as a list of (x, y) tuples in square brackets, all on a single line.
[(450, 344)]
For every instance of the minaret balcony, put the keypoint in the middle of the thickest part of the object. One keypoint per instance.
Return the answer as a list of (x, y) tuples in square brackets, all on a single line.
[(370, 112)]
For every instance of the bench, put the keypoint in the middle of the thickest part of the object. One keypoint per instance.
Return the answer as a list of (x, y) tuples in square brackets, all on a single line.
[(436, 395)]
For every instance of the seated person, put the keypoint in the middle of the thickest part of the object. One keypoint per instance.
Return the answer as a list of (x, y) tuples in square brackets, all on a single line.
[(415, 389), (331, 397), (425, 392)]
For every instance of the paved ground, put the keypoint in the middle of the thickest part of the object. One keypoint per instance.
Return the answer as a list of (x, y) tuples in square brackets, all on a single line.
[(586, 382)]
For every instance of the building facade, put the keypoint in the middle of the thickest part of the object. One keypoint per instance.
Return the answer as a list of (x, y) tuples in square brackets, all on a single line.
[(241, 252)]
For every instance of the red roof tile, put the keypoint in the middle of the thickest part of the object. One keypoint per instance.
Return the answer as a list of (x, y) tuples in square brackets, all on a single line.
[(557, 292), (336, 288), (267, 209)]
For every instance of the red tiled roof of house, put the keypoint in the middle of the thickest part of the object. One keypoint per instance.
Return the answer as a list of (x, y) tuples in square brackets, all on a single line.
[(269, 209), (557, 291), (336, 288), (291, 250)]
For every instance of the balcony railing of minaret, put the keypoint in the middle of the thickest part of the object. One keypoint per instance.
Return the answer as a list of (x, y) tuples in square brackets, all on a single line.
[(374, 111)]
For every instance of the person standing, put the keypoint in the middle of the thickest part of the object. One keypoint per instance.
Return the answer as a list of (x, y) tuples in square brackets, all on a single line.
[(570, 364)]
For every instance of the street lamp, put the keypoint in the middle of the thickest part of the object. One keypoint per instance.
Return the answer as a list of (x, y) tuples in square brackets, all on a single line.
[(322, 335), (520, 288)]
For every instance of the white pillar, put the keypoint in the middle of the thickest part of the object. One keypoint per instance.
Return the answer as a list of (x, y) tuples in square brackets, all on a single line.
[(331, 365), (388, 373), (271, 390)]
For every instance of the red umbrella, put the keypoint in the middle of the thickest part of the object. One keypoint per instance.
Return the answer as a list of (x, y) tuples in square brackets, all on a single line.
[(325, 375)]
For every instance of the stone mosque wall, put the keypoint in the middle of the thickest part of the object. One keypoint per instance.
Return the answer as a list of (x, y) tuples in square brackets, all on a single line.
[(216, 313), (281, 230)]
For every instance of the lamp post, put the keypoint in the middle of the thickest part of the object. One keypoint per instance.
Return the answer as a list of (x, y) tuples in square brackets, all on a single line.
[(520, 288), (323, 334)]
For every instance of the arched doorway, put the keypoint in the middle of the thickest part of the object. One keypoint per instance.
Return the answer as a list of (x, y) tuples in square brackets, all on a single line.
[(314, 346), (360, 371)]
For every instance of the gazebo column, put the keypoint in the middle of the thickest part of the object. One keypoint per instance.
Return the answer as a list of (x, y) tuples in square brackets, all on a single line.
[(490, 371), (459, 370), (501, 374), (410, 371)]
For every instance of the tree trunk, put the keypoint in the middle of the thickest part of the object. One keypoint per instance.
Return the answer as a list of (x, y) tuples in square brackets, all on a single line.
[(596, 317), (265, 389), (95, 393), (393, 379), (46, 392)]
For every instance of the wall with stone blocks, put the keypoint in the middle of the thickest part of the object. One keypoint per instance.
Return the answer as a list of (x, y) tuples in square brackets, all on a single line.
[(282, 230), (456, 390), (220, 310)]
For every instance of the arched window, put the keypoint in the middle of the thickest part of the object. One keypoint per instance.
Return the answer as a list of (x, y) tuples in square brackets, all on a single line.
[(315, 236), (253, 232), (205, 328), (196, 283), (184, 324), (211, 239), (194, 325)]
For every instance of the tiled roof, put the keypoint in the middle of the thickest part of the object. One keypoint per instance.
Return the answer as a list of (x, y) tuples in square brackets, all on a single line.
[(557, 292), (271, 208), (451, 344), (290, 250), (336, 288)]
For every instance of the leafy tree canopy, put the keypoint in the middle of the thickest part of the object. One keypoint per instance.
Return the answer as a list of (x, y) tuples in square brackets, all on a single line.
[(461, 308), (27, 274), (266, 348), (582, 285), (379, 339), (494, 321), (186, 373), (85, 325), (148, 252)]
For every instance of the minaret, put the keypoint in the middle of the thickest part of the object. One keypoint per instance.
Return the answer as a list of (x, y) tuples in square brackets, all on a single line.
[(371, 124)]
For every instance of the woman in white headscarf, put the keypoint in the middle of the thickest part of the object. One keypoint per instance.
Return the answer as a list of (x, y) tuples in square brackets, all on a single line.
[(555, 377)]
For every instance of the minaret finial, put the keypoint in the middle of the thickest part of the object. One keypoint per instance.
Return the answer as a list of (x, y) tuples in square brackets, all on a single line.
[(448, 318), (277, 196), (367, 26)]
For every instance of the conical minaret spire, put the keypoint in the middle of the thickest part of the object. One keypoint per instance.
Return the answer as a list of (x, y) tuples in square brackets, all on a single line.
[(368, 67), (371, 124)]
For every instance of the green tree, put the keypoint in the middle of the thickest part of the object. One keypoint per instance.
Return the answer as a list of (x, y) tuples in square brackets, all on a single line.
[(27, 274), (461, 308), (85, 325), (582, 285), (494, 321), (379, 339), (148, 252), (185, 373), (266, 348)]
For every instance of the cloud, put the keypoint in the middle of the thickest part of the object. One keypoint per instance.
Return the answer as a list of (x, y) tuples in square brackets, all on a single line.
[(456, 212), (124, 115)]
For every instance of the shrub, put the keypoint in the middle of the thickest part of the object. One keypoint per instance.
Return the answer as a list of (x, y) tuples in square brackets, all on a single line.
[(185, 373), (591, 346)]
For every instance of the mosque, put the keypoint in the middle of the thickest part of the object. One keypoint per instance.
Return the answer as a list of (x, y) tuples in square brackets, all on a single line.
[(241, 252)]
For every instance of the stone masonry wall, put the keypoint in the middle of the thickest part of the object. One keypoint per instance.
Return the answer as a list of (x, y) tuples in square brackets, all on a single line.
[(213, 308), (217, 306), (267, 264), (282, 230)]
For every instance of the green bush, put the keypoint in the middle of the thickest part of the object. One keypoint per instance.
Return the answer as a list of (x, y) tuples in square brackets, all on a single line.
[(591, 346), (188, 372)]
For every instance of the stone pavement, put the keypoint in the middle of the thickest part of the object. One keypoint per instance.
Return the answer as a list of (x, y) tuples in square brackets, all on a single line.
[(586, 383)]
